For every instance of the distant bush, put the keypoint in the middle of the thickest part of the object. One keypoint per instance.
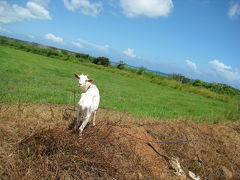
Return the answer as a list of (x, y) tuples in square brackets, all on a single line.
[(132, 70), (141, 70), (101, 61), (64, 52), (83, 56), (121, 65), (198, 83), (180, 78), (217, 87)]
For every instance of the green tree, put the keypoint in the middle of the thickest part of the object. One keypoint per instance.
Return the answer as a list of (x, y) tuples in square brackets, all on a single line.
[(101, 61)]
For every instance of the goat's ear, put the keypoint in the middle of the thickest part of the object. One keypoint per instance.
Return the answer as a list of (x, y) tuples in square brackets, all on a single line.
[(76, 75), (90, 80)]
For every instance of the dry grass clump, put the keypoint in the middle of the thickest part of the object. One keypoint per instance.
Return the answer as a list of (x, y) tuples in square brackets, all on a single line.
[(37, 142), (49, 150)]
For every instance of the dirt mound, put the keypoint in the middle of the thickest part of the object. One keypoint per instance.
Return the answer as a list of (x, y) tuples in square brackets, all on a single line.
[(37, 143), (45, 149)]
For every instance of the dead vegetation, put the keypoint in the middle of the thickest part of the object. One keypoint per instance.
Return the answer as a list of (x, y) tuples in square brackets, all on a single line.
[(36, 142)]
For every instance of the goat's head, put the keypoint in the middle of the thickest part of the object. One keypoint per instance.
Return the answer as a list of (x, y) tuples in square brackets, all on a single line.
[(83, 80)]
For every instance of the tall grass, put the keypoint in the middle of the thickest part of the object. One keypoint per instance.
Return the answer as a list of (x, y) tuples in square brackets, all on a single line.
[(28, 77)]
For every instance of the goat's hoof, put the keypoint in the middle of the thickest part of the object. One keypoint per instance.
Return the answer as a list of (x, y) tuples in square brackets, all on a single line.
[(80, 135)]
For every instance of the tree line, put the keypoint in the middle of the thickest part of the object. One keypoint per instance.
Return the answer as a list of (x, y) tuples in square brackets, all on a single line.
[(215, 87)]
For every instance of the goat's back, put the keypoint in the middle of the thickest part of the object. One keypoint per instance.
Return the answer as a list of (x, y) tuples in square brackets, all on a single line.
[(90, 99)]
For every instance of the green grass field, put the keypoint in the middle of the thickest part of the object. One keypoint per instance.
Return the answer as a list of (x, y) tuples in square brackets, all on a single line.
[(27, 77)]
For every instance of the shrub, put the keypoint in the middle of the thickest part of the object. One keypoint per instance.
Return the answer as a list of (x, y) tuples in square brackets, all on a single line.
[(141, 70), (121, 65), (101, 61), (180, 78)]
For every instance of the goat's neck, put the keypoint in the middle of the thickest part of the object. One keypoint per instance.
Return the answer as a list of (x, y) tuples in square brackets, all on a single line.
[(86, 87)]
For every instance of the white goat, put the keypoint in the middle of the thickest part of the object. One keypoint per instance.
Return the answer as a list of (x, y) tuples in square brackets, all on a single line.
[(88, 103)]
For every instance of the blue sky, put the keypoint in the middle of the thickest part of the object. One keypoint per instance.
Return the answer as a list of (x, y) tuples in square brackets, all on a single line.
[(197, 38)]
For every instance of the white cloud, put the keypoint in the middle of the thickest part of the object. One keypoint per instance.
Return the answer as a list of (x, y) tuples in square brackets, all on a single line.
[(192, 65), (43, 3), (149, 8), (234, 9), (53, 38), (224, 71), (219, 66), (4, 31), (15, 13), (38, 11), (84, 6), (130, 52), (77, 44), (98, 47)]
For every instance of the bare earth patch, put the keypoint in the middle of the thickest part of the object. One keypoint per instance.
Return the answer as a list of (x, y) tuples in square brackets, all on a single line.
[(36, 142)]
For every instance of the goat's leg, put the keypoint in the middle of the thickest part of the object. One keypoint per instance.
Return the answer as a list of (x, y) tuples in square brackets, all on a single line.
[(78, 119), (94, 115), (84, 123)]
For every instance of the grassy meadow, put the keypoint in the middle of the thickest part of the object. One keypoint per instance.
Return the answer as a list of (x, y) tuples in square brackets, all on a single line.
[(31, 78)]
